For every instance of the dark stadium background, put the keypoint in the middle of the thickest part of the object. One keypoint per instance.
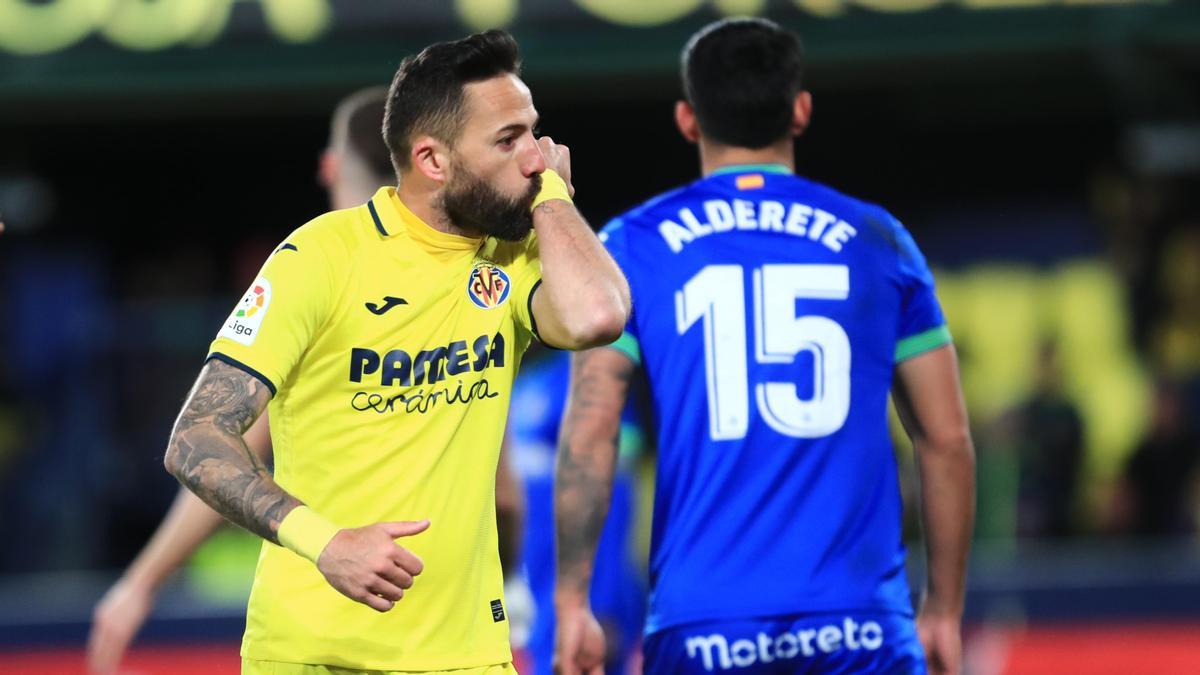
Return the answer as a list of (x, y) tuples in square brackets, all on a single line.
[(1026, 148)]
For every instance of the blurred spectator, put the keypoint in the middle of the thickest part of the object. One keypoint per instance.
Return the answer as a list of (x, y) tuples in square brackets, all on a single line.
[(1031, 460), (1157, 493), (1176, 333), (1047, 434)]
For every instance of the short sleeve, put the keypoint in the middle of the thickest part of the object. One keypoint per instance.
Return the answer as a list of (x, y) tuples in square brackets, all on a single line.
[(280, 314), (922, 324), (527, 276), (614, 237)]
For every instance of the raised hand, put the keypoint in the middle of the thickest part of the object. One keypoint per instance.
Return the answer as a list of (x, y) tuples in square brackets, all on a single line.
[(558, 159)]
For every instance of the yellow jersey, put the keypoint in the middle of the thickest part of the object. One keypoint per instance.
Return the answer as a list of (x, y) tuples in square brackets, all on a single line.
[(391, 349)]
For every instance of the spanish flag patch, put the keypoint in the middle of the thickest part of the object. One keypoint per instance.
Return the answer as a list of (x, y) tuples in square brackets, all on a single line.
[(750, 181)]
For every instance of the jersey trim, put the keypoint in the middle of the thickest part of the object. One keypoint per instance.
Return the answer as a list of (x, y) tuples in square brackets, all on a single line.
[(922, 342), (628, 345), (375, 216), (751, 168), (533, 319), (244, 368)]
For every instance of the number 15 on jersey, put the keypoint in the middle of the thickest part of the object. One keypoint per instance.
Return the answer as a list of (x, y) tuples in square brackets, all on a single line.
[(716, 294)]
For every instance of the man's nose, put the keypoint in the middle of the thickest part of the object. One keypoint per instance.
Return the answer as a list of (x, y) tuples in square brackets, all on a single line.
[(533, 162)]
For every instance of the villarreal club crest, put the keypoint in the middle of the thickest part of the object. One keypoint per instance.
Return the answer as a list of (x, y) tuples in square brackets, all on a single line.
[(488, 286)]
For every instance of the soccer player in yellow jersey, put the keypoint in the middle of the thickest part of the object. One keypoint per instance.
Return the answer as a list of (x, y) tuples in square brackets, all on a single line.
[(352, 167), (385, 339)]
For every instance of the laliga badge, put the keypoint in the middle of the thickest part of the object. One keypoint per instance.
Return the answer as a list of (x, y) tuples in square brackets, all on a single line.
[(488, 286), (243, 324)]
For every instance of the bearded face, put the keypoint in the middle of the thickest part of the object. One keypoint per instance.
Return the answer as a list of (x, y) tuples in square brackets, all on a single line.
[(474, 205)]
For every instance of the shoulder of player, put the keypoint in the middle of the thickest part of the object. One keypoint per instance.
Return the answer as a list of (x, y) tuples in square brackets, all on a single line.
[(869, 218), (334, 235), (836, 199)]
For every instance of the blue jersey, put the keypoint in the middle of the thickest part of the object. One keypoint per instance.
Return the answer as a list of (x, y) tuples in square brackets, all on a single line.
[(617, 591), (771, 312)]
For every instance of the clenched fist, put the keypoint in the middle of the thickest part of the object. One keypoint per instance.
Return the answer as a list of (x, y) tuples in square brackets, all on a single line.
[(558, 160)]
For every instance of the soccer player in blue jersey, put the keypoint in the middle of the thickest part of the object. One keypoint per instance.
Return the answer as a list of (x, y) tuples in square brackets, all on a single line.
[(774, 316)]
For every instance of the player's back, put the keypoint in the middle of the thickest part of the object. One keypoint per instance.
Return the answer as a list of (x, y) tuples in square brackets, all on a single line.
[(770, 311)]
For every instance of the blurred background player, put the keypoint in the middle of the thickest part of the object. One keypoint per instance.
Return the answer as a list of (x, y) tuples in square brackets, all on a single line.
[(618, 589), (774, 315), (351, 168)]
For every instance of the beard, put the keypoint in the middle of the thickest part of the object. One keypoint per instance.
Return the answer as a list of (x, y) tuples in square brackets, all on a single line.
[(474, 205)]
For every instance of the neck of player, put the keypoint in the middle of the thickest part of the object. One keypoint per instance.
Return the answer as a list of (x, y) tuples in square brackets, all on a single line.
[(715, 155), (425, 204)]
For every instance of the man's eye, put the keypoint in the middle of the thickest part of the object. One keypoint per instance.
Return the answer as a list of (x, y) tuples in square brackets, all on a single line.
[(507, 141)]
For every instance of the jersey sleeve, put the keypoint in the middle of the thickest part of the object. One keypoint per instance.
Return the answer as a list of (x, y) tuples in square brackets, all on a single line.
[(527, 276), (922, 324), (280, 314), (614, 237)]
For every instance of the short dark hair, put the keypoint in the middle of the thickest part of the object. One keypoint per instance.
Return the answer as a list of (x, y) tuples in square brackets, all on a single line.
[(741, 76), (355, 129), (426, 96)]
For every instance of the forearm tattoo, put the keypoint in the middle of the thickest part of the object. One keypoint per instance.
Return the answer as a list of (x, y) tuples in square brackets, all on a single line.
[(587, 453), (207, 454)]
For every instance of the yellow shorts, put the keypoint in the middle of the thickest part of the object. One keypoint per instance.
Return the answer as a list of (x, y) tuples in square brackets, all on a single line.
[(256, 667)]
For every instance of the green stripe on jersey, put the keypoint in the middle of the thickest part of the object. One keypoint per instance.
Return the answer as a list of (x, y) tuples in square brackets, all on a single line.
[(922, 342), (628, 345), (752, 168)]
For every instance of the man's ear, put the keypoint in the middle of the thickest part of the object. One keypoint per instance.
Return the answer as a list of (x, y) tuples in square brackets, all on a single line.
[(327, 168), (430, 158), (685, 119), (801, 112)]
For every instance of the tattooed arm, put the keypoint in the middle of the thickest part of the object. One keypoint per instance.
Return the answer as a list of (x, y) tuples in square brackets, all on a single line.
[(587, 456), (207, 454)]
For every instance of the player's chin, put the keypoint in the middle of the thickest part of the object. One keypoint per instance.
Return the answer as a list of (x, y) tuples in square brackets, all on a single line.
[(515, 228)]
